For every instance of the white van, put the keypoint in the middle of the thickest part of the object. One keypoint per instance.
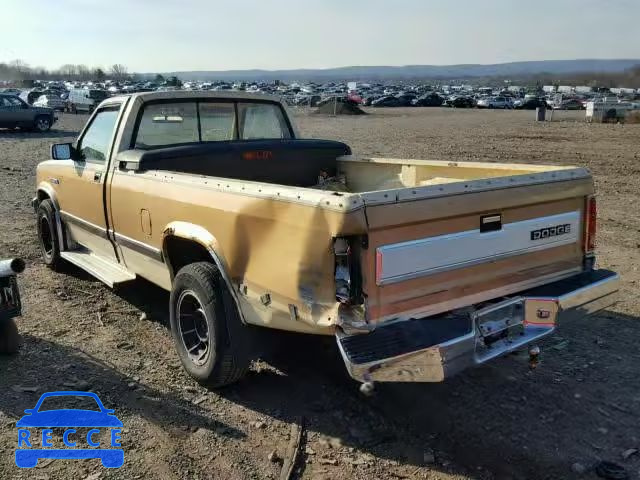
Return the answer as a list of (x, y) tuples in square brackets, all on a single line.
[(84, 99)]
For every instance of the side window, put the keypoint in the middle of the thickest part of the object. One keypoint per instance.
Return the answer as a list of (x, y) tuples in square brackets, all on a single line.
[(94, 145), (14, 101), (167, 124), (4, 102), (262, 120), (217, 121)]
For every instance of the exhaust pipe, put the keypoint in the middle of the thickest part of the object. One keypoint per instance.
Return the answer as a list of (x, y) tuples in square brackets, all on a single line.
[(11, 267)]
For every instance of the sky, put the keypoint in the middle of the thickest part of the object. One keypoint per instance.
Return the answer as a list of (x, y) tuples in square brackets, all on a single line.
[(182, 35)]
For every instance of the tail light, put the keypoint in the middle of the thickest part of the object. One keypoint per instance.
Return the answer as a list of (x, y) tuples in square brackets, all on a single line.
[(591, 225), (348, 277)]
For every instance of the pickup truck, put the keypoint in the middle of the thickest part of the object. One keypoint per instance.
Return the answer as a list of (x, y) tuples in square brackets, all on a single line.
[(419, 268)]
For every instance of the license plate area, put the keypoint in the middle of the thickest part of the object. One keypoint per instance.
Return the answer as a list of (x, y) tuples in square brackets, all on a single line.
[(500, 321), (512, 324)]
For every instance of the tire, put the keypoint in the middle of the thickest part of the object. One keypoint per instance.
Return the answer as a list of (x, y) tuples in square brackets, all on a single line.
[(42, 123), (213, 345), (9, 337), (47, 236)]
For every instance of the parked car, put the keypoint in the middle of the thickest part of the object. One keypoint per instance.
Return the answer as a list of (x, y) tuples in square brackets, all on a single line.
[(30, 96), (323, 240), (368, 100), (387, 101), (429, 100), (460, 102), (50, 101), (406, 99), (84, 99), (569, 104), (16, 113), (531, 104), (495, 102)]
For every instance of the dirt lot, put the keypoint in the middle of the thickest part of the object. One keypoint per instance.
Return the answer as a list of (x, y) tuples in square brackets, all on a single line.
[(500, 421)]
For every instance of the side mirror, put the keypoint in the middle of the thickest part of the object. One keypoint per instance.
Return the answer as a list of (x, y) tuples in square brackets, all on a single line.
[(25, 105), (61, 151), (29, 411)]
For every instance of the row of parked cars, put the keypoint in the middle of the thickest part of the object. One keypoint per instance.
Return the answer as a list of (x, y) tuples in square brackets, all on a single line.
[(467, 101), (458, 101), (74, 100)]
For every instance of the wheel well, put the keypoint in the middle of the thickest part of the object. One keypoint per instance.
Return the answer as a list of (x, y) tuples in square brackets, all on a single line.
[(42, 195), (181, 252)]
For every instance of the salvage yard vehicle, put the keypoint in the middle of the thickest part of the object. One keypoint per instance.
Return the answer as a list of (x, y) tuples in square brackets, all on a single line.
[(10, 304), (50, 101), (15, 113), (495, 102), (420, 269), (84, 99)]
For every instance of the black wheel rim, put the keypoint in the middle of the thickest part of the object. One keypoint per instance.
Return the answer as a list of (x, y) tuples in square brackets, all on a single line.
[(193, 328), (43, 124), (46, 237)]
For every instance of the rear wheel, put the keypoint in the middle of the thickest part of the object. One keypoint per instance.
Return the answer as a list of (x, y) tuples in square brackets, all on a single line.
[(47, 234), (212, 343), (42, 123)]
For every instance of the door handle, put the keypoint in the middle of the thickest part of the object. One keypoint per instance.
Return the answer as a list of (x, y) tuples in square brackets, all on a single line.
[(97, 176)]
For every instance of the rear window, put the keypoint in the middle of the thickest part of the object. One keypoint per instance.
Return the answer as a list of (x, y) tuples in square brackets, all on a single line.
[(180, 123), (217, 121), (168, 124), (262, 121)]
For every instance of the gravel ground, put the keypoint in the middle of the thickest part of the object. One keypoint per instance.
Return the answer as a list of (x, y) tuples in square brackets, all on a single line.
[(500, 421)]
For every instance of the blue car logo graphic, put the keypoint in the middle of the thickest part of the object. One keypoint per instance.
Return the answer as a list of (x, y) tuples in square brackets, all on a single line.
[(29, 452)]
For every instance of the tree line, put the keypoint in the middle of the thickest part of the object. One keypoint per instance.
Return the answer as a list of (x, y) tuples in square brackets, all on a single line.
[(17, 70)]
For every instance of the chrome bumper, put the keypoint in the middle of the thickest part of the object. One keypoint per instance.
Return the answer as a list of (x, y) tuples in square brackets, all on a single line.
[(435, 348)]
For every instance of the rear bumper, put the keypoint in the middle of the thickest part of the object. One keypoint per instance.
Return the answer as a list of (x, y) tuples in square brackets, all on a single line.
[(435, 348)]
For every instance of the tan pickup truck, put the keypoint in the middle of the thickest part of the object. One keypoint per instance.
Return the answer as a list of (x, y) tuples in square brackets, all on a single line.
[(419, 268)]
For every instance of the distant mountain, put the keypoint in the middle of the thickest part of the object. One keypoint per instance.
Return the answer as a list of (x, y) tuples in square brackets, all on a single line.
[(554, 67)]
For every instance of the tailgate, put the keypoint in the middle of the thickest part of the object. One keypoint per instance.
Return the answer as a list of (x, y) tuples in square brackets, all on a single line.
[(437, 253)]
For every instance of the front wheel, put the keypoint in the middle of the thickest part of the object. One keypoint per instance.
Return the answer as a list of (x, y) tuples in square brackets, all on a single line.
[(212, 343), (47, 236)]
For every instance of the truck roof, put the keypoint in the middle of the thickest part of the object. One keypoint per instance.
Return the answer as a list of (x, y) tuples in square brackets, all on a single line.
[(187, 94)]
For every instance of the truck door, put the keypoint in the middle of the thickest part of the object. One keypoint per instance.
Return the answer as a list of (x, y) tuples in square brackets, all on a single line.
[(82, 198)]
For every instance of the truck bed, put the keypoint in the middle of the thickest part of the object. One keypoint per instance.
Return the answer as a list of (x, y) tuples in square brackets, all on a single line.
[(428, 251), (367, 175)]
